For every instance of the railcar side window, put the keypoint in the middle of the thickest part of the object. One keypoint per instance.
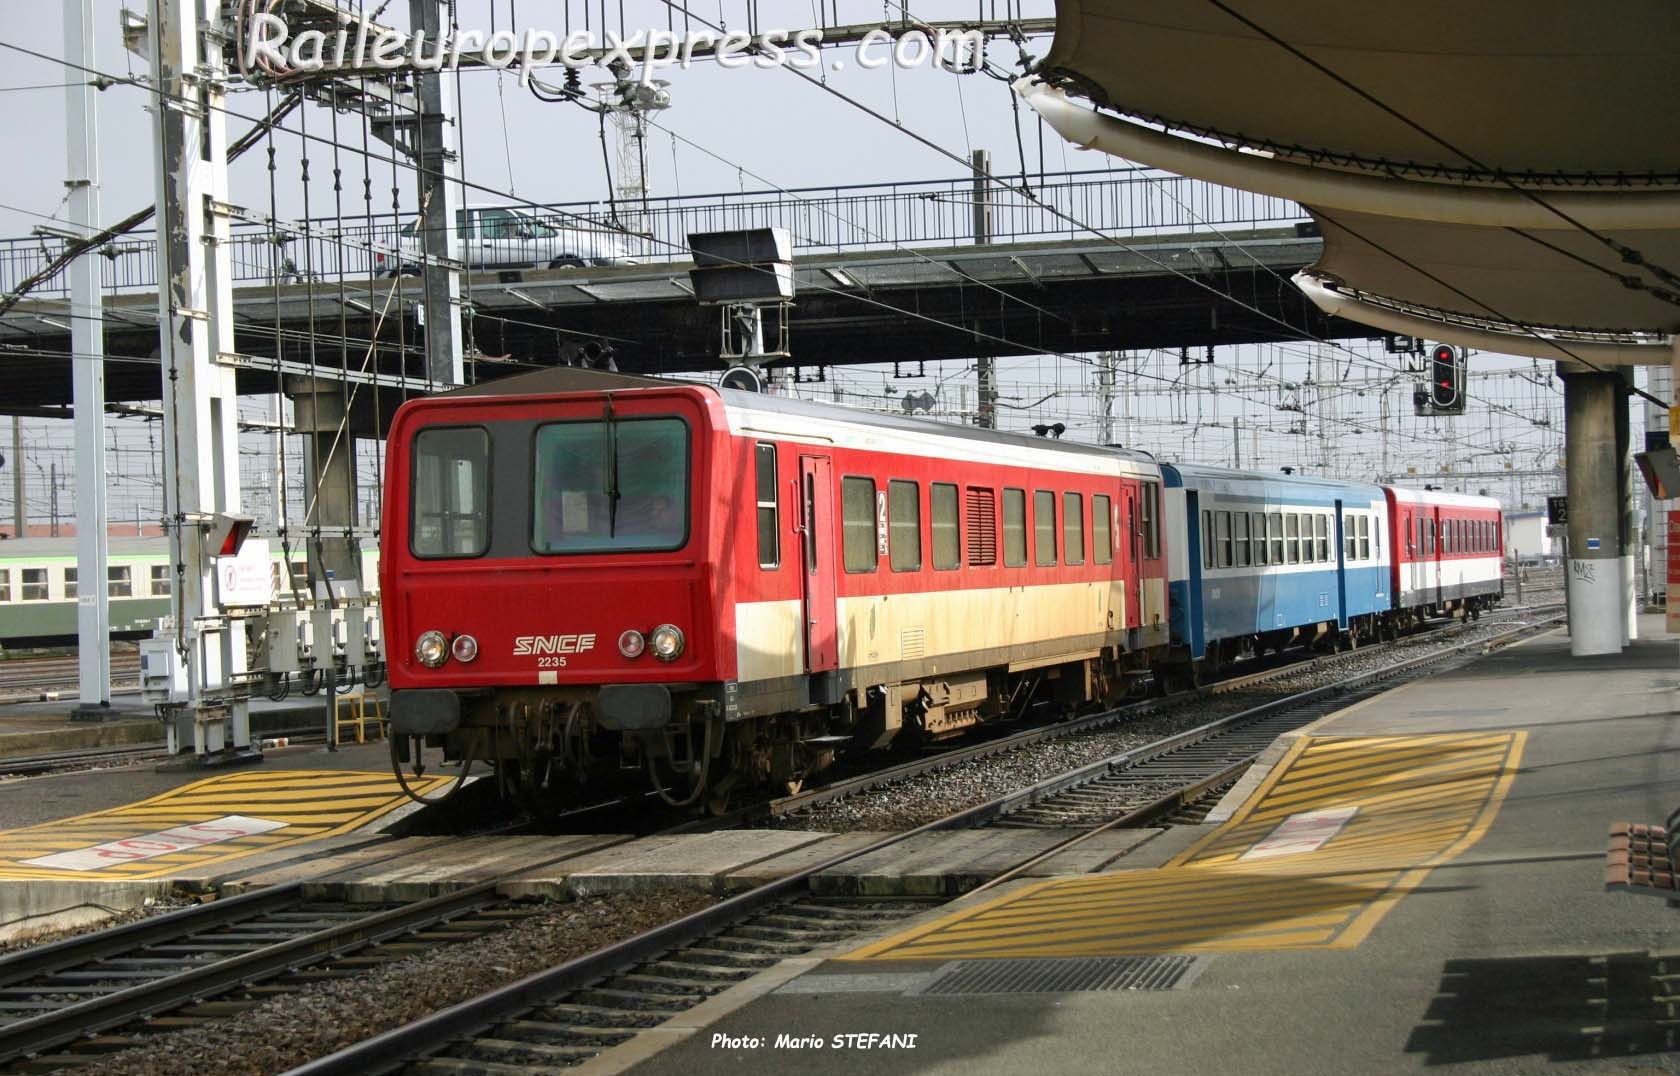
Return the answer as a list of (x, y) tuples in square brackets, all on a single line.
[(1073, 528), (160, 580), (1350, 538), (1322, 523), (982, 527), (611, 486), (1014, 528), (5, 584), (1260, 544), (451, 493), (1364, 538), (947, 542), (1241, 536), (904, 526), (1044, 527), (857, 508), (1102, 539), (70, 584), (1292, 536), (764, 484), (1207, 537), (1274, 530), (1149, 519), (119, 581), (33, 584), (1222, 529)]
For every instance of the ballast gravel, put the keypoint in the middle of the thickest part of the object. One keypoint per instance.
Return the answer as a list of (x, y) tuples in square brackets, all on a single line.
[(327, 1015), (918, 800)]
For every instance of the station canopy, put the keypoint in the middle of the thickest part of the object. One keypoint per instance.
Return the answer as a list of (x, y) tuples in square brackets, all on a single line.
[(1481, 173)]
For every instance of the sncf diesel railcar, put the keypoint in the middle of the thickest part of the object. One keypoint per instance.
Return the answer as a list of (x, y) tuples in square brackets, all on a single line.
[(717, 587), (1262, 561), (1449, 552)]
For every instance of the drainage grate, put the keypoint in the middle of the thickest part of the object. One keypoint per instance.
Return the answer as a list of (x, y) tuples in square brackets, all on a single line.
[(1054, 976)]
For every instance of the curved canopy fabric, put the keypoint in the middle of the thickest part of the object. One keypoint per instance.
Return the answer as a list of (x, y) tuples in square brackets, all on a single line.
[(1551, 88), (1568, 100)]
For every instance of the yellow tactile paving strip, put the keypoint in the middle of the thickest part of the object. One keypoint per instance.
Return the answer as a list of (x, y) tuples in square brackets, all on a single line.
[(1335, 836), (219, 818)]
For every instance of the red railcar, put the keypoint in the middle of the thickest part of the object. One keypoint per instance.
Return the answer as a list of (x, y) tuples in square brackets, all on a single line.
[(1448, 551), (717, 587)]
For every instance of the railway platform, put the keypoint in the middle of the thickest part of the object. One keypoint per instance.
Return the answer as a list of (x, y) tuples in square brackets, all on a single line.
[(1413, 883)]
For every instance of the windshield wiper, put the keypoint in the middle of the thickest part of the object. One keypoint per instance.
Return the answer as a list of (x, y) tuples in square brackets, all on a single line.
[(612, 471)]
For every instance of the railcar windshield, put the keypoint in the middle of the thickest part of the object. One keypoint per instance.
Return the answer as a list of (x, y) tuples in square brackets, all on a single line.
[(610, 486), (451, 490)]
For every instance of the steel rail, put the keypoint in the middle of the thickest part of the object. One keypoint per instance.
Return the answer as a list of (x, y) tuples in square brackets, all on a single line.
[(35, 1034), (842, 789), (400, 1046)]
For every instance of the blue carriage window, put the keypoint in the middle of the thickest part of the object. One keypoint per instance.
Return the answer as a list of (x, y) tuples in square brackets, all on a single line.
[(1364, 538), (1350, 537), (1245, 556), (1322, 523), (1222, 521), (1274, 530), (1207, 537), (1259, 535), (1292, 536)]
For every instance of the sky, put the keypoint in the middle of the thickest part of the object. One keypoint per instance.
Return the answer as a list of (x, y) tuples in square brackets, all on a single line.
[(1332, 409)]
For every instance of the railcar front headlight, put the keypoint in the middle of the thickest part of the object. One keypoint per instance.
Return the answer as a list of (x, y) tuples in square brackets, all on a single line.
[(431, 649), (666, 642), (631, 643), (464, 648)]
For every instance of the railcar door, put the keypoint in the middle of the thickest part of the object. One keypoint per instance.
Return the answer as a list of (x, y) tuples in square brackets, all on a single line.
[(1339, 536), (1133, 569), (816, 527)]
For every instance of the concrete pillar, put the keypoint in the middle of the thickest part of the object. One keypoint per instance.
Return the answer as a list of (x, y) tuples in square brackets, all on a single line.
[(1625, 528), (1596, 619)]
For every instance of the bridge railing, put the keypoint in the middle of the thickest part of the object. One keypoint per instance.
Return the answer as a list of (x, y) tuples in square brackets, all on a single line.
[(882, 216)]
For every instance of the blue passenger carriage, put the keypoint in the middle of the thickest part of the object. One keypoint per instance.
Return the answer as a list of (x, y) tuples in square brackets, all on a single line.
[(1263, 561)]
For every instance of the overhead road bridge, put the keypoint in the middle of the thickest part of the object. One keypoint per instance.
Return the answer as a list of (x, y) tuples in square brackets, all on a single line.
[(1123, 259)]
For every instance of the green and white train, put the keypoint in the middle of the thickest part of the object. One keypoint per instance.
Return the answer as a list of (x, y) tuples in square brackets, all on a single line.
[(39, 587)]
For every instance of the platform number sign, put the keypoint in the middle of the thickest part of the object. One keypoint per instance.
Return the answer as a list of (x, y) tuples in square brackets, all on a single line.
[(1557, 511)]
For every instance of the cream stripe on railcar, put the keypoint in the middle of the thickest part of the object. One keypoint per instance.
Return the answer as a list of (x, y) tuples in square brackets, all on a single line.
[(905, 627), (769, 639)]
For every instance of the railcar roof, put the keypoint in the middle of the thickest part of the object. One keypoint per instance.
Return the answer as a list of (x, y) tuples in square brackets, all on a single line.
[(753, 401), (573, 379), (1407, 495), (1203, 476), (28, 548)]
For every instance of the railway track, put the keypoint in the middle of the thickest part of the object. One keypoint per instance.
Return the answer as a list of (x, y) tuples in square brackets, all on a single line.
[(63, 1004), (563, 1016), (41, 679), (786, 806)]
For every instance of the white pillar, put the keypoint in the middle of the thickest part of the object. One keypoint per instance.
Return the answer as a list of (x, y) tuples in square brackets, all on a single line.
[(200, 406), (87, 342), (1596, 617)]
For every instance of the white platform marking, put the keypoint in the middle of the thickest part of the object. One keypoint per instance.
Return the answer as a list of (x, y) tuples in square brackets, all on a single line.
[(1304, 832), (179, 839)]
